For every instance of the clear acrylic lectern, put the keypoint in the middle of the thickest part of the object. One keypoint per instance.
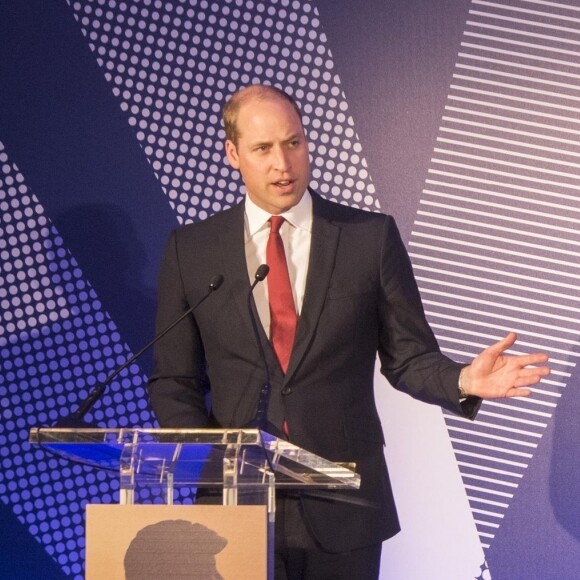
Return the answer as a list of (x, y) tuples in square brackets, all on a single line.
[(247, 464)]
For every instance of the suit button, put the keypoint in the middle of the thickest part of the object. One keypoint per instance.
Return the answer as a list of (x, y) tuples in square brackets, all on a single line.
[(287, 391)]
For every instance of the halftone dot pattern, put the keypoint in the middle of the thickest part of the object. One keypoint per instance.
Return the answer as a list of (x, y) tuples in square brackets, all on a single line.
[(56, 343), (172, 65), (29, 297)]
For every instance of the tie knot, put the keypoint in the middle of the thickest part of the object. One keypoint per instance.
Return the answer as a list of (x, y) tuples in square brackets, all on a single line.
[(276, 222)]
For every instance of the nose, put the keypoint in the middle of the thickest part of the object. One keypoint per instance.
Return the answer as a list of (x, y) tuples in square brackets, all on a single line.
[(281, 159)]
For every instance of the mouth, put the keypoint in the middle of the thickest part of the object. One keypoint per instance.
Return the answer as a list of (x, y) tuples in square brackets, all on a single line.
[(284, 184)]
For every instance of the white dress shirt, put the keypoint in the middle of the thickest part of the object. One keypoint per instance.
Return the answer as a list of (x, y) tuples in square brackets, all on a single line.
[(296, 235)]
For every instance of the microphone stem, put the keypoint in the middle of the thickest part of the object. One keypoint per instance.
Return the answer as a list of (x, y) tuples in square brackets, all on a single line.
[(98, 391), (262, 409)]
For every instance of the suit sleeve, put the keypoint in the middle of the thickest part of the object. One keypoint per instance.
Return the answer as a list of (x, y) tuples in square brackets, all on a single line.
[(179, 383), (410, 356)]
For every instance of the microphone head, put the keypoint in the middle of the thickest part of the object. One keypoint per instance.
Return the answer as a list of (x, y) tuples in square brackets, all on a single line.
[(216, 282), (262, 272)]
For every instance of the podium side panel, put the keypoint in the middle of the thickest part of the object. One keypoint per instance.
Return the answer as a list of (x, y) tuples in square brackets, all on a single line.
[(161, 541)]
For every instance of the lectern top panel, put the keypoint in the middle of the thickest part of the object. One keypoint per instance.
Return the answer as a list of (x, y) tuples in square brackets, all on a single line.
[(199, 457)]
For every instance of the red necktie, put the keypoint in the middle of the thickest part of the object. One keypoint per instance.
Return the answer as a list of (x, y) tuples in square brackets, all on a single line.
[(283, 316)]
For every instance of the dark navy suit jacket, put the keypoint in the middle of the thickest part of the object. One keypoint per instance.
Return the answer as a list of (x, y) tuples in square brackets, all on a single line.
[(361, 299)]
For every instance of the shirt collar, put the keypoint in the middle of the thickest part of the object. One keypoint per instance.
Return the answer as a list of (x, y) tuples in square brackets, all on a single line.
[(300, 215)]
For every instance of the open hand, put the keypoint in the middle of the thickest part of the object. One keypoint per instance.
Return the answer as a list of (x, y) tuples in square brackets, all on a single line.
[(493, 374)]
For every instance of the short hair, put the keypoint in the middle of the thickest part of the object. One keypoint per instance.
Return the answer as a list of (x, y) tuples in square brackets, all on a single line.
[(232, 107)]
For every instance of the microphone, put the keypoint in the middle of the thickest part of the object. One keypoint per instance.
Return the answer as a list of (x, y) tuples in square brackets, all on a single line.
[(259, 421), (260, 275), (76, 418)]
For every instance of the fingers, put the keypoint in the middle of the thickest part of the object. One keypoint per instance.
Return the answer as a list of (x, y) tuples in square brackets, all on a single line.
[(494, 374), (531, 376), (527, 371), (517, 392), (508, 340), (502, 345), (523, 360), (529, 368), (535, 358)]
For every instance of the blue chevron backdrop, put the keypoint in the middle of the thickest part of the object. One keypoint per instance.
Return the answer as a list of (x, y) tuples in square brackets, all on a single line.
[(458, 117)]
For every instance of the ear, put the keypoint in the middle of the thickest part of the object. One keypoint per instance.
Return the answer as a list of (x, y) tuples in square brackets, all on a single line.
[(232, 154)]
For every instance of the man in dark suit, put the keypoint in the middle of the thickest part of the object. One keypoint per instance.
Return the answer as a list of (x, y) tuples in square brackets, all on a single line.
[(355, 296)]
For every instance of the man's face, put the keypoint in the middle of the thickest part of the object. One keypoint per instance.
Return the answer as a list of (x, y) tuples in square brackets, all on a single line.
[(271, 154)]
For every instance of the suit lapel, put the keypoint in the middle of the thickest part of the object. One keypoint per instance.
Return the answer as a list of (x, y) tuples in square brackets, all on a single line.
[(233, 253), (231, 236), (323, 248)]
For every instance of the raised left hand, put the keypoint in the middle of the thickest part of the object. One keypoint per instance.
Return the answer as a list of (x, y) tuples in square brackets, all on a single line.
[(493, 374)]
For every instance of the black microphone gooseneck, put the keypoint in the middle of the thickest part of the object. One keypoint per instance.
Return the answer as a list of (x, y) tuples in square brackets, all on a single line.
[(76, 418), (259, 421)]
